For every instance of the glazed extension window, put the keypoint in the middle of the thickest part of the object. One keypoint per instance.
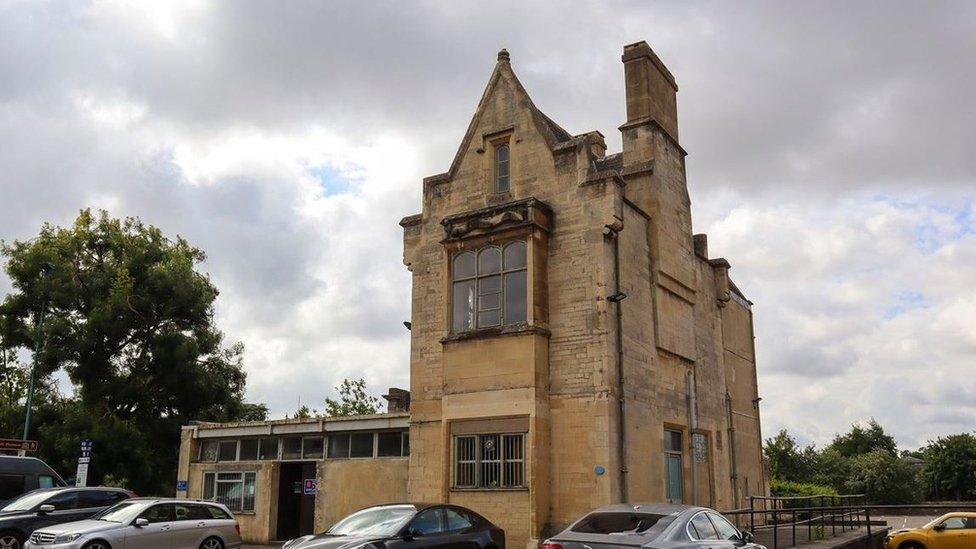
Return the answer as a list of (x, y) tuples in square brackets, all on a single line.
[(489, 461), (489, 287), (235, 490)]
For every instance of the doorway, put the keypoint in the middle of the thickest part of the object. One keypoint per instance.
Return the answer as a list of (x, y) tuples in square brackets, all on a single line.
[(296, 510)]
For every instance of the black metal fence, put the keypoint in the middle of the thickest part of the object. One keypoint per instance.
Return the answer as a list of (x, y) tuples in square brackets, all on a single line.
[(787, 521)]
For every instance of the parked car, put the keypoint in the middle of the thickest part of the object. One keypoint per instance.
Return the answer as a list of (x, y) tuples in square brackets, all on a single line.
[(412, 525), (949, 531), (652, 526), (146, 523), (49, 506), (19, 475)]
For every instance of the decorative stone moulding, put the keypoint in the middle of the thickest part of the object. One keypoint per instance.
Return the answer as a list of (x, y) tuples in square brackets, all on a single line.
[(526, 213)]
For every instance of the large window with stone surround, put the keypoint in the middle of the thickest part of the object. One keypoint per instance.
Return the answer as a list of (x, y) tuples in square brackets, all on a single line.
[(489, 461), (489, 287)]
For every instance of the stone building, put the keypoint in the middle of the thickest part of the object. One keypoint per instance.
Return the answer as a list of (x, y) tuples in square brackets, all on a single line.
[(572, 343)]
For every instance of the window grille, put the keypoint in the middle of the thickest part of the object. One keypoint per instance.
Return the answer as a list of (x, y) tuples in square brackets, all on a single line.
[(235, 490), (489, 461)]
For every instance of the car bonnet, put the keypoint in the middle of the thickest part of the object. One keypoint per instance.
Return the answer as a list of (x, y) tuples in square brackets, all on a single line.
[(81, 527)]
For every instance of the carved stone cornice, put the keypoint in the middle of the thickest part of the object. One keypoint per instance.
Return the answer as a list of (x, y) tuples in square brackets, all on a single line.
[(528, 212)]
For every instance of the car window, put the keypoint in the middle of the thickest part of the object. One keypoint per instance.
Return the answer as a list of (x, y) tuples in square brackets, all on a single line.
[(46, 481), (63, 501), (724, 528), (216, 512), (616, 523), (100, 498), (457, 520), (701, 528), (189, 511), (427, 523), (158, 513), (954, 523), (11, 486)]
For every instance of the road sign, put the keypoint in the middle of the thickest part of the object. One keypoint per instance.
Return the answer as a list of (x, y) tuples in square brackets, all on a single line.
[(17, 444), (81, 477), (182, 485), (311, 486)]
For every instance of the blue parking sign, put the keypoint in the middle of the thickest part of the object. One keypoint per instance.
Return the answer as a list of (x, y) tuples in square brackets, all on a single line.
[(181, 485)]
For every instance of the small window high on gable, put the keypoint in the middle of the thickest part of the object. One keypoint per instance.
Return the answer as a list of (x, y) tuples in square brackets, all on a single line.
[(502, 168)]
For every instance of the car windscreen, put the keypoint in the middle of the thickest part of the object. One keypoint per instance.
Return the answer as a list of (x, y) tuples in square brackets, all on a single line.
[(28, 501), (376, 521), (123, 512), (616, 523)]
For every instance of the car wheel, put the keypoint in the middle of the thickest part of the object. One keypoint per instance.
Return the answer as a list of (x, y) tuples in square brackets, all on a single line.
[(9, 540), (212, 543), (97, 544)]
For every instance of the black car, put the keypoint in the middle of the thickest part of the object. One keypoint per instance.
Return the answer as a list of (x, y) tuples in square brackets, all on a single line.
[(652, 526), (19, 475), (50, 506), (405, 525)]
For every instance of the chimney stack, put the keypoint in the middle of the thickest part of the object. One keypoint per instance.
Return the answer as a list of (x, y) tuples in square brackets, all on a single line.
[(651, 89)]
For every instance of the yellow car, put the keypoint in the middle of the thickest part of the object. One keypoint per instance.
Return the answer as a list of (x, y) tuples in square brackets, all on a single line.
[(950, 531)]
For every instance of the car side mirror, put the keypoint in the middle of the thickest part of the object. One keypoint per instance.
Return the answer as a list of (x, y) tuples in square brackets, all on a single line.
[(748, 537), (45, 509), (140, 522)]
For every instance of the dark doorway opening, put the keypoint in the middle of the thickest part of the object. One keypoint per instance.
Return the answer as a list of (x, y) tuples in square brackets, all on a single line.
[(296, 510)]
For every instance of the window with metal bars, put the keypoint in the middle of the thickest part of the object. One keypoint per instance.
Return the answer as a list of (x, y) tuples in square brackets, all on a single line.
[(489, 461), (235, 490)]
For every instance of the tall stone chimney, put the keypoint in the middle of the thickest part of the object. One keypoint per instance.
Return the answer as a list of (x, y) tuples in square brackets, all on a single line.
[(651, 89)]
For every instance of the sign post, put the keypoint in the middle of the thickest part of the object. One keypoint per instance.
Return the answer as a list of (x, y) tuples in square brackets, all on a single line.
[(84, 458)]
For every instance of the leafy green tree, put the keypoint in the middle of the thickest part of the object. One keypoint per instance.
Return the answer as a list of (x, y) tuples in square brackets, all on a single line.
[(787, 461), (950, 467), (883, 478), (131, 322), (353, 400), (860, 441), (304, 412)]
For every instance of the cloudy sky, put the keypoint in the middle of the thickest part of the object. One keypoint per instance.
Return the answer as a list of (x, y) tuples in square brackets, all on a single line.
[(832, 160)]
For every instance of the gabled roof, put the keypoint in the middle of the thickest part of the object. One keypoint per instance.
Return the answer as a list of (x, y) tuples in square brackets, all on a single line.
[(553, 133)]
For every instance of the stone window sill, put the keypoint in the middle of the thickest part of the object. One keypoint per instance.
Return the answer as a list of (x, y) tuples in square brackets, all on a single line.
[(521, 328), (511, 489)]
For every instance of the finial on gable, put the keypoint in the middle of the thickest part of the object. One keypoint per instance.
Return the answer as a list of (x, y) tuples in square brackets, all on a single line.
[(503, 56)]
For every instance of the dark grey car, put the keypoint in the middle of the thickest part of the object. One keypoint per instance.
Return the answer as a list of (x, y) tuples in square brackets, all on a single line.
[(652, 526)]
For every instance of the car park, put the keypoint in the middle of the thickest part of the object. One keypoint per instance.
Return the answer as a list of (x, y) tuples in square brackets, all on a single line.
[(413, 525), (19, 475), (146, 523), (652, 526), (50, 506)]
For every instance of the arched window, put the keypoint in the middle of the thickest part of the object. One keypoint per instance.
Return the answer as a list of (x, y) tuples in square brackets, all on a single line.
[(489, 287), (501, 169)]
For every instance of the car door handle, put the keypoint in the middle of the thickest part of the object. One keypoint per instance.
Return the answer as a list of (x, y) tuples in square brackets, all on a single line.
[(164, 527), (201, 524)]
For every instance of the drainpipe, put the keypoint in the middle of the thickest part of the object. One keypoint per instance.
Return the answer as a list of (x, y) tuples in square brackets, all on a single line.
[(732, 457), (693, 426), (618, 296)]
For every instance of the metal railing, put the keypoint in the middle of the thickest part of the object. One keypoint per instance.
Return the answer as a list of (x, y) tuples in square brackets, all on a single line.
[(815, 514)]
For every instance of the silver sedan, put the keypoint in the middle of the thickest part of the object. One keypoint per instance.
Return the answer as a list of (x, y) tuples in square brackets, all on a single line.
[(145, 523)]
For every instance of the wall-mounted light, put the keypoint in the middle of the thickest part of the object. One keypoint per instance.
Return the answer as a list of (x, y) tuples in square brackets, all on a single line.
[(407, 324), (617, 297)]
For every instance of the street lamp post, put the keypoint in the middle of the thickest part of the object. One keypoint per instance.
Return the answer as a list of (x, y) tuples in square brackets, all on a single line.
[(38, 348)]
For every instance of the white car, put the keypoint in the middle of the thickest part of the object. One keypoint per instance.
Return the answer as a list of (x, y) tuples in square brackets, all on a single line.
[(146, 523)]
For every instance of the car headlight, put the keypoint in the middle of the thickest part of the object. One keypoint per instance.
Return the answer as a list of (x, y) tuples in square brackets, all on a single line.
[(66, 538)]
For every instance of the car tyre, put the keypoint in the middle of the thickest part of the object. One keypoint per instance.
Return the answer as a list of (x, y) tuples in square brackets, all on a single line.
[(11, 540), (911, 545), (96, 544), (212, 543)]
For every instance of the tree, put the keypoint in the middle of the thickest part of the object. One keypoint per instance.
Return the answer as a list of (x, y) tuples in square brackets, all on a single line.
[(883, 478), (950, 467), (787, 461), (131, 322), (353, 400), (861, 441)]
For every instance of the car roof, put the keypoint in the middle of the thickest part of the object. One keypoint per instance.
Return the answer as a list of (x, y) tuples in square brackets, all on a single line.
[(173, 500), (653, 508)]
